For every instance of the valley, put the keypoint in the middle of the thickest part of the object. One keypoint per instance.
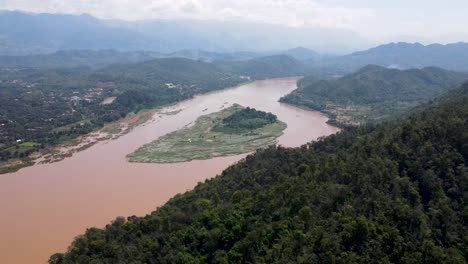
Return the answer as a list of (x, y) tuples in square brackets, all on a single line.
[(52, 108), (95, 185), (371, 194)]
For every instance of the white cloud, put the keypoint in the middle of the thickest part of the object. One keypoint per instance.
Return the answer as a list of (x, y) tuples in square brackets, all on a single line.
[(286, 12)]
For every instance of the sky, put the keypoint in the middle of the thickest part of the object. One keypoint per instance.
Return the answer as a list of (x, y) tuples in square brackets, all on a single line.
[(425, 21)]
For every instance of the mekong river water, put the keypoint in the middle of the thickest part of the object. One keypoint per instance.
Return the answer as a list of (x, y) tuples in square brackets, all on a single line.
[(45, 206)]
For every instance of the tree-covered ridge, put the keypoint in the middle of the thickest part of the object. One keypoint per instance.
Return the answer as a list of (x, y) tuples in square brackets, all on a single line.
[(394, 193), (374, 92), (77, 58), (173, 70), (246, 119), (267, 67), (453, 56)]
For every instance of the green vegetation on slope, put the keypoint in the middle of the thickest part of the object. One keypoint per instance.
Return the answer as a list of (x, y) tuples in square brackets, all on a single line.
[(232, 131), (52, 106), (373, 93), (267, 67), (245, 120), (395, 193), (77, 58), (174, 70)]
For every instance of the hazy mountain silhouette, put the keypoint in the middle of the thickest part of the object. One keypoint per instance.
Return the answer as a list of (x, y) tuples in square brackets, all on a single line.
[(26, 33)]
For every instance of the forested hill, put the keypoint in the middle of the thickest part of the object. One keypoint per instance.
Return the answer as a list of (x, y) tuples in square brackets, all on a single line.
[(267, 67), (77, 58), (164, 69), (373, 92), (395, 193), (101, 58), (172, 70), (200, 73), (301, 53)]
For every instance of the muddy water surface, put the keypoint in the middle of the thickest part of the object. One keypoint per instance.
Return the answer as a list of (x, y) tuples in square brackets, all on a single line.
[(45, 206)]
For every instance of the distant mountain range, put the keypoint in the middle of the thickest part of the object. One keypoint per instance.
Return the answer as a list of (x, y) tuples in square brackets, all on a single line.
[(26, 33), (91, 42), (400, 55), (102, 58), (373, 92)]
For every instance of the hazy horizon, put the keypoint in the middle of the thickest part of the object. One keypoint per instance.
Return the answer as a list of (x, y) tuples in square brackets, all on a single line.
[(418, 21)]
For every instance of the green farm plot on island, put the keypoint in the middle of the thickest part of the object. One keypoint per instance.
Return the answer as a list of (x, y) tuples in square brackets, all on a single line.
[(234, 130)]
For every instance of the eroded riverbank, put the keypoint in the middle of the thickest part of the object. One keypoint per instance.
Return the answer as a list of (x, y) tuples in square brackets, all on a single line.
[(46, 205)]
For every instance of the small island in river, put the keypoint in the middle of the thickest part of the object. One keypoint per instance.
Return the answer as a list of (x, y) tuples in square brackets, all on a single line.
[(234, 130)]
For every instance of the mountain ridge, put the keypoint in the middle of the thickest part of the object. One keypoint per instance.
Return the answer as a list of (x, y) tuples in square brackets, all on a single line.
[(402, 55), (41, 33)]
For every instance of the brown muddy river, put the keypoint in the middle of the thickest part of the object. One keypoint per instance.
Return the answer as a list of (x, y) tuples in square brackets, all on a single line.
[(45, 206)]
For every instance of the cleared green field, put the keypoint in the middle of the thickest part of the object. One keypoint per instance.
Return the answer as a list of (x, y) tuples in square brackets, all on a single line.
[(29, 145), (23, 147), (200, 141), (70, 126)]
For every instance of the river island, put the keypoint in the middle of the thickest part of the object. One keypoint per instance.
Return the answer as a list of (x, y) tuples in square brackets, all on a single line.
[(231, 131)]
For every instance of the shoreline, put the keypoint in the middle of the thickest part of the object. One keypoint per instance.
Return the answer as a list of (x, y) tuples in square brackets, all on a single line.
[(115, 130), (61, 151)]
